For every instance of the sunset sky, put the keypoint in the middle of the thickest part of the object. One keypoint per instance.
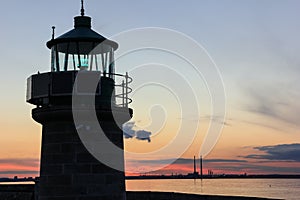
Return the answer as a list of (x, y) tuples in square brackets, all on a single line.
[(254, 44)]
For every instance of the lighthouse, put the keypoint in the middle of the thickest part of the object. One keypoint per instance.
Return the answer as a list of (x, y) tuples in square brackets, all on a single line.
[(68, 169)]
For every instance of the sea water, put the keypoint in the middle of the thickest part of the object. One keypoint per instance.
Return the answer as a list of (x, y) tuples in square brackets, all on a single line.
[(271, 188)]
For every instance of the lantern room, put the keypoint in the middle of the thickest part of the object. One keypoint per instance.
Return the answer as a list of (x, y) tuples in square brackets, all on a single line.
[(82, 48)]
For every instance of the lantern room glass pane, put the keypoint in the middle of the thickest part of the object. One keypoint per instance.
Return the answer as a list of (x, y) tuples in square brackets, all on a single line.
[(83, 48), (63, 60)]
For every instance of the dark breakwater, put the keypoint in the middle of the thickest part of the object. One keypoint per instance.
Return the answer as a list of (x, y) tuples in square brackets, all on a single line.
[(27, 192), (17, 192)]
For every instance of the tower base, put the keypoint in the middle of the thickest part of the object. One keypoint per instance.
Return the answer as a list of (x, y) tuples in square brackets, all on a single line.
[(68, 171)]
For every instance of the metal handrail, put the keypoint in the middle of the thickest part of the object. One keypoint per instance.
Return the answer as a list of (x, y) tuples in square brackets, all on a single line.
[(124, 88)]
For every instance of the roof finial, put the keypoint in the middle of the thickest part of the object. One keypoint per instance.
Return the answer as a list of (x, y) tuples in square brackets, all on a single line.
[(82, 8), (53, 32)]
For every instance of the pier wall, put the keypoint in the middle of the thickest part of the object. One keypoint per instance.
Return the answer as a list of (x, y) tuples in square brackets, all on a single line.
[(17, 192), (26, 192)]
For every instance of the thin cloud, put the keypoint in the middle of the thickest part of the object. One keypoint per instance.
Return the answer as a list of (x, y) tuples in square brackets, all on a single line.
[(25, 162), (184, 161), (183, 165), (143, 135), (130, 132), (257, 169), (217, 119), (278, 102), (262, 125), (281, 152), (19, 172)]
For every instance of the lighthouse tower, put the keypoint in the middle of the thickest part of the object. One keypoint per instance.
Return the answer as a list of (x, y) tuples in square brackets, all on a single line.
[(68, 169)]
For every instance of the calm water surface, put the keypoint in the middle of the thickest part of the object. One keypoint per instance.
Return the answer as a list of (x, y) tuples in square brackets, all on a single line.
[(272, 188)]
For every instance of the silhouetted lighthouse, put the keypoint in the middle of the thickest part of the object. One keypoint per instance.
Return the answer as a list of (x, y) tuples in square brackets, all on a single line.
[(68, 170)]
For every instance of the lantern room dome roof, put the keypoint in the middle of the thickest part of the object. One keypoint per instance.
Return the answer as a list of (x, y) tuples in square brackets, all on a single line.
[(82, 39)]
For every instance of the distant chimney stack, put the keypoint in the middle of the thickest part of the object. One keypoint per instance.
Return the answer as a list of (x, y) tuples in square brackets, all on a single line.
[(201, 167), (194, 164)]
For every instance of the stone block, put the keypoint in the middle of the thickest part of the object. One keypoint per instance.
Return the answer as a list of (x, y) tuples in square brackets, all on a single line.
[(77, 169), (53, 169), (59, 180)]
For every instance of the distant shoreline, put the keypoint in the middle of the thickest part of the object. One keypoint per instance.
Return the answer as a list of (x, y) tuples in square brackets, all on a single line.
[(27, 192), (189, 176), (233, 176)]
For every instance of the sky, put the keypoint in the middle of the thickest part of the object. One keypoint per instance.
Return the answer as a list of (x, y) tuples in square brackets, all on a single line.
[(253, 43)]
